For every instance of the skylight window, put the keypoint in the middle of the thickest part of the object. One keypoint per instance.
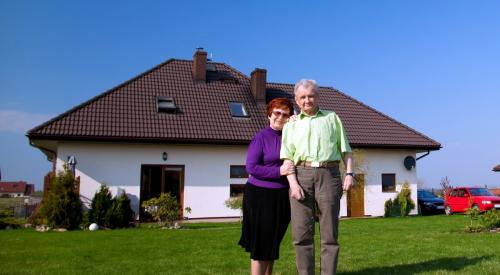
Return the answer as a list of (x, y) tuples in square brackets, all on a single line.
[(166, 104), (238, 109), (211, 67)]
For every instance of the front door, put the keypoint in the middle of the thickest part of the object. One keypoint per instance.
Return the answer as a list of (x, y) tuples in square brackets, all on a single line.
[(157, 179), (356, 198)]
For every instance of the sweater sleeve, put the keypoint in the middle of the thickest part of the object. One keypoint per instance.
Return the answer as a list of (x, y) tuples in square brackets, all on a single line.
[(255, 161)]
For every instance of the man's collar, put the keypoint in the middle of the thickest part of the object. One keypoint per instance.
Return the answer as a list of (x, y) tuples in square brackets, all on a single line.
[(319, 112)]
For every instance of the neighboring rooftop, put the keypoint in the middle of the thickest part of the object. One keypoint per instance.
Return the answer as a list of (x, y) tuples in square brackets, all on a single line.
[(16, 187), (200, 110)]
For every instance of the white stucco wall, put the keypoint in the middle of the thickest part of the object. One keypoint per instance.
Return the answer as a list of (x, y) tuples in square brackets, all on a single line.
[(206, 171), (376, 162)]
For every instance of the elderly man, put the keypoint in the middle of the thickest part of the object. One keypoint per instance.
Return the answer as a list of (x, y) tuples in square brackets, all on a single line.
[(315, 142)]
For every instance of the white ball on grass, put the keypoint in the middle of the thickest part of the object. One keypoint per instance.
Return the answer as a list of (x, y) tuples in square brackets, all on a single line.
[(93, 227)]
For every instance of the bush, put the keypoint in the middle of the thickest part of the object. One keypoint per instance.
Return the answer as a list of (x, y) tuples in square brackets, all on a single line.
[(401, 205), (235, 203), (62, 206), (404, 200), (7, 219), (164, 210), (120, 213), (101, 203), (490, 219)]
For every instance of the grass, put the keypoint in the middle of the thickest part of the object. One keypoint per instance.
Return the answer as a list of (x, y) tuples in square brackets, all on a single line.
[(423, 245)]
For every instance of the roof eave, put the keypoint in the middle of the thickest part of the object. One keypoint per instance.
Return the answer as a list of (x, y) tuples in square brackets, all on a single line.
[(140, 140), (397, 146)]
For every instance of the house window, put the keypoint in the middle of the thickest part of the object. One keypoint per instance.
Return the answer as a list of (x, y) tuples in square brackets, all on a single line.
[(238, 109), (238, 172), (388, 182), (236, 190), (165, 104)]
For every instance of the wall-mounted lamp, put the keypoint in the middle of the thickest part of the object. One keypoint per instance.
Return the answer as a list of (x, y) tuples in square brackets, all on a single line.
[(72, 164), (164, 156)]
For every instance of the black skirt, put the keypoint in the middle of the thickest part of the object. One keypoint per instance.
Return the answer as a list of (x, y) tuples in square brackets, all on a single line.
[(266, 215)]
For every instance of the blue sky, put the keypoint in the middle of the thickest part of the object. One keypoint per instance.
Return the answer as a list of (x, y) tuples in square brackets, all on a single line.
[(432, 65)]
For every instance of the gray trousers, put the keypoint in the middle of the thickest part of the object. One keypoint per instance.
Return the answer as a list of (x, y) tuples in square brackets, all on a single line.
[(322, 187)]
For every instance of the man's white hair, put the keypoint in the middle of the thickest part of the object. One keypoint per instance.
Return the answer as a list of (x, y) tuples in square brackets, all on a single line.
[(306, 83)]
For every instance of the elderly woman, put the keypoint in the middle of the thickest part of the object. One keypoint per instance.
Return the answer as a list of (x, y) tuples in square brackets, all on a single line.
[(266, 205)]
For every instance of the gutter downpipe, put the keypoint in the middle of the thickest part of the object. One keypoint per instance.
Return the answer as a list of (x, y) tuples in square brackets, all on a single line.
[(50, 151), (424, 155)]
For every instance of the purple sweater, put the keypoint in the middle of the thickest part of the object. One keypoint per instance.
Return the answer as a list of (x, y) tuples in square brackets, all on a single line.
[(263, 160)]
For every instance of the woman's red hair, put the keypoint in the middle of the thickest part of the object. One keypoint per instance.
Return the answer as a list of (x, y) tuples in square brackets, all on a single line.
[(279, 103)]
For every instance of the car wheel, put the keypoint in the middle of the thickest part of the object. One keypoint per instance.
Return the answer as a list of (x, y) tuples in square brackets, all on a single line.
[(448, 211), (476, 207)]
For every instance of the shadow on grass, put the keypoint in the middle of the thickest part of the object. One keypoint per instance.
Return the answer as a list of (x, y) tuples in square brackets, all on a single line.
[(194, 226), (444, 264)]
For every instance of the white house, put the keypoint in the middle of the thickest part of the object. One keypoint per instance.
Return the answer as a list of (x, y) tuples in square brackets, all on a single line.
[(184, 127)]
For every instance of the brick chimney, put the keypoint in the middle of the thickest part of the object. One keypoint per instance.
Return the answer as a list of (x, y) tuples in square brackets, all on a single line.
[(258, 84), (200, 65)]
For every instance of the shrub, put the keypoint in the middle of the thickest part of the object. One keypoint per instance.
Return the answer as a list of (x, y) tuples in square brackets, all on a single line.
[(62, 206), (235, 203), (120, 213), (473, 214), (7, 219), (490, 219), (401, 205), (404, 200), (101, 203), (164, 209)]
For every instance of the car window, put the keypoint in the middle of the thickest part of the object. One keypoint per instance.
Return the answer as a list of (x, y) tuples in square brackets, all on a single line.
[(453, 193), (461, 193), (480, 192), (426, 194)]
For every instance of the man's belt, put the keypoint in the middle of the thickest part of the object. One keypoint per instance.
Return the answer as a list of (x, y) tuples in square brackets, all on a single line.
[(322, 164)]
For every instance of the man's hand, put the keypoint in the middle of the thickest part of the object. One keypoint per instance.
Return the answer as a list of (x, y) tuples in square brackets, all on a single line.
[(348, 183), (296, 192), (287, 168)]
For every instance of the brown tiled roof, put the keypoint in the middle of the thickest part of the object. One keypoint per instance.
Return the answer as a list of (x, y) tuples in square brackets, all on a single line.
[(495, 191), (496, 168), (365, 126), (13, 187), (128, 112)]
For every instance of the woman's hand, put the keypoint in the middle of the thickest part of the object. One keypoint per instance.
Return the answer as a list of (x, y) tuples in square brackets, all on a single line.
[(287, 168), (292, 118)]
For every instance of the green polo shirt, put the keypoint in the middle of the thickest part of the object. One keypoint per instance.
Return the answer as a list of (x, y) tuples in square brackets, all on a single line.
[(320, 137)]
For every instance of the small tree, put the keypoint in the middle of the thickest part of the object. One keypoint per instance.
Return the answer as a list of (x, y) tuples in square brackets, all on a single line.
[(473, 214), (101, 203), (164, 210), (120, 213), (235, 203), (404, 200), (62, 206), (445, 186), (401, 205)]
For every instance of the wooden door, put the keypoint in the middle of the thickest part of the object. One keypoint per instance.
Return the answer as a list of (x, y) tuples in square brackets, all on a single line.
[(356, 198)]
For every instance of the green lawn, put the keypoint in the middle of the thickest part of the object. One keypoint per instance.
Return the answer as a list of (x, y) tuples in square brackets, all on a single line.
[(423, 245)]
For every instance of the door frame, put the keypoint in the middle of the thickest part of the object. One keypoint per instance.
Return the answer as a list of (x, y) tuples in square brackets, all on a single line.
[(181, 169)]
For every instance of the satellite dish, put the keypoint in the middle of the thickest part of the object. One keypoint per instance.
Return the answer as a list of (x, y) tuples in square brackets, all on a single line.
[(409, 162)]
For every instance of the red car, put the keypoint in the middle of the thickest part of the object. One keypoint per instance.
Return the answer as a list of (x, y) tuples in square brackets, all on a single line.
[(462, 198)]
